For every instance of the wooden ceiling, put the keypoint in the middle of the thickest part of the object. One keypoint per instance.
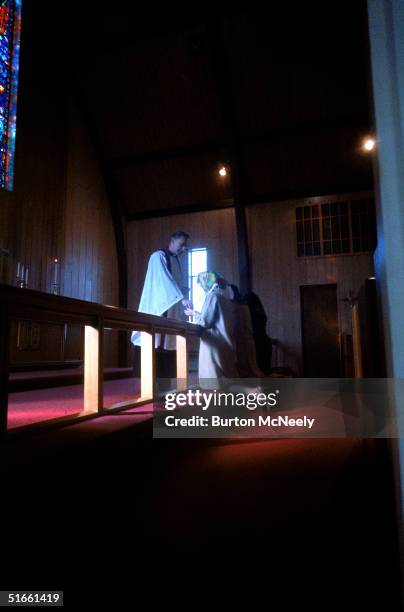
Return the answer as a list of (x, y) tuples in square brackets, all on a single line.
[(165, 94)]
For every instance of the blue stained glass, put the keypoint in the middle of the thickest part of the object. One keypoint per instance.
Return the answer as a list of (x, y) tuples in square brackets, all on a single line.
[(10, 29)]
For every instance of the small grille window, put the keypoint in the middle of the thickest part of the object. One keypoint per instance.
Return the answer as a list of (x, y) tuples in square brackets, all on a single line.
[(336, 228)]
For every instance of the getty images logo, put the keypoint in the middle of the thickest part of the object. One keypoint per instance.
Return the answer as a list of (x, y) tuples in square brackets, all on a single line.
[(208, 399)]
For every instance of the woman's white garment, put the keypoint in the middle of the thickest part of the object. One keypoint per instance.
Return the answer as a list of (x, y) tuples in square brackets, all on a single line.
[(217, 353), (161, 292)]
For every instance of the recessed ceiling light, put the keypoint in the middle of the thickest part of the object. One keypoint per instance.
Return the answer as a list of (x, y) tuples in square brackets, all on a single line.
[(369, 144)]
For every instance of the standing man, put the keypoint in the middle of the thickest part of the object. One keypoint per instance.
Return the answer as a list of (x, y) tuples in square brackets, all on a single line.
[(165, 289)]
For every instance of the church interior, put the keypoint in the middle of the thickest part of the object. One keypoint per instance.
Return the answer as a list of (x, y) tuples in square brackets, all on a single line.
[(257, 132)]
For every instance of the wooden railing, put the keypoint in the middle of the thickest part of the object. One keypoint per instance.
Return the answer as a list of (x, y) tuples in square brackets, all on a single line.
[(28, 305)]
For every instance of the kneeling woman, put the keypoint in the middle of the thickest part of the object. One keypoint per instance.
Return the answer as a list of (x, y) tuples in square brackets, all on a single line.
[(217, 353)]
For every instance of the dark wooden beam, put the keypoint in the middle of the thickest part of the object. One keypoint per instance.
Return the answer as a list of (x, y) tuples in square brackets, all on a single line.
[(303, 130), (152, 157), (180, 210), (309, 192), (221, 72), (256, 198), (294, 131)]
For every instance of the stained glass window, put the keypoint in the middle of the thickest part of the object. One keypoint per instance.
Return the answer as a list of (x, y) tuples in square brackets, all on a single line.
[(10, 27)]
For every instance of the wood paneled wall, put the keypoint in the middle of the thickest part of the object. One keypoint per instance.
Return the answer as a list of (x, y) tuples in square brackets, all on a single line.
[(58, 207), (89, 270), (30, 215), (215, 230), (277, 273)]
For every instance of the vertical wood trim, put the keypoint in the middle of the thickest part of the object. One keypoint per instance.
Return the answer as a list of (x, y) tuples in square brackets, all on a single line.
[(4, 364), (356, 341), (147, 365), (225, 88), (93, 367), (182, 363), (101, 363)]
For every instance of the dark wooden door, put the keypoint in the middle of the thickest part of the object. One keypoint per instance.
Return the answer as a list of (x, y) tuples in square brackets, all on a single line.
[(320, 331)]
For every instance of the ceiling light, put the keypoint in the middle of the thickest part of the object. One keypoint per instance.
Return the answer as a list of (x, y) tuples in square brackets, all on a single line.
[(223, 171), (369, 144)]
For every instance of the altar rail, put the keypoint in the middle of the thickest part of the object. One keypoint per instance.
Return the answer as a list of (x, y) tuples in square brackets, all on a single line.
[(28, 305)]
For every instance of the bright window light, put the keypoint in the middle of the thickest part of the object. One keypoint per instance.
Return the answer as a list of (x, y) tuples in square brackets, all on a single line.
[(197, 262)]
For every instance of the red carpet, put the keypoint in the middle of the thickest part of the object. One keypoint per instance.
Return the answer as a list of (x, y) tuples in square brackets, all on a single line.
[(33, 406), (305, 514), (36, 405)]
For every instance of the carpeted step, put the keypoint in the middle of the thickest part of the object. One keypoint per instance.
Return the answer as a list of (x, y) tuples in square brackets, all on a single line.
[(44, 379)]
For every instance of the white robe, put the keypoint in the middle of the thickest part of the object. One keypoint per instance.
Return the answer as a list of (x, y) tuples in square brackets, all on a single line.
[(217, 353), (161, 293)]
